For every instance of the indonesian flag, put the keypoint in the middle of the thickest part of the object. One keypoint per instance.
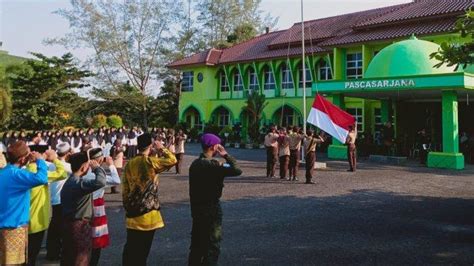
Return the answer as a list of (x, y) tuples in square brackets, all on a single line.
[(330, 118)]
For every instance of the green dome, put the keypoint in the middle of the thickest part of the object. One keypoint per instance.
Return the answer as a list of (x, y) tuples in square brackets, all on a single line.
[(406, 58)]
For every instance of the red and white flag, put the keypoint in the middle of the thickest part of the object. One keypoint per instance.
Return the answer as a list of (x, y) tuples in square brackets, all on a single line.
[(330, 118)]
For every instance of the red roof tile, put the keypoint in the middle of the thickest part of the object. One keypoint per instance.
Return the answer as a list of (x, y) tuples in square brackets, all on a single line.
[(257, 48), (421, 17), (419, 9), (328, 27), (393, 32), (208, 57)]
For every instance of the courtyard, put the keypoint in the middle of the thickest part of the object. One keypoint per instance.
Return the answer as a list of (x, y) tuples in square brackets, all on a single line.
[(377, 216)]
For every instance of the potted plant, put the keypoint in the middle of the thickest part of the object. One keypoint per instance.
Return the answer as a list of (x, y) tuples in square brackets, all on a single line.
[(225, 133)]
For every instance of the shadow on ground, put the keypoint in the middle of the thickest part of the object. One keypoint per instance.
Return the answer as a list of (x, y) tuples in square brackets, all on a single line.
[(367, 227)]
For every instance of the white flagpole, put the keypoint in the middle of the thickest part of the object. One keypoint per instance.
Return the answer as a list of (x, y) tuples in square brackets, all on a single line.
[(303, 65)]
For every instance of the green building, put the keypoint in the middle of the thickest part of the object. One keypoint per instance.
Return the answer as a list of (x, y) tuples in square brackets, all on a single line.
[(369, 63)]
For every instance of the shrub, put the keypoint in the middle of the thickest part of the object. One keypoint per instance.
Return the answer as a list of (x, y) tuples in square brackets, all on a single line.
[(99, 120), (114, 121)]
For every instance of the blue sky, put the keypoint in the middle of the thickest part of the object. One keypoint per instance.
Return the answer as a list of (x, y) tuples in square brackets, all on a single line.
[(24, 24)]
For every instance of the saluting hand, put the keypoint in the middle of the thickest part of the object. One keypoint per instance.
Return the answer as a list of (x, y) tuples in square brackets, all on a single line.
[(221, 150)]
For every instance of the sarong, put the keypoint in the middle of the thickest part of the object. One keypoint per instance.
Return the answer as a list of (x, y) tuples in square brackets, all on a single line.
[(77, 242), (13, 245)]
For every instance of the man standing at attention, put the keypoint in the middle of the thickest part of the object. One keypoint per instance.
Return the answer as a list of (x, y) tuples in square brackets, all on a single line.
[(206, 181), (351, 148), (140, 198), (310, 143), (295, 138), (271, 144)]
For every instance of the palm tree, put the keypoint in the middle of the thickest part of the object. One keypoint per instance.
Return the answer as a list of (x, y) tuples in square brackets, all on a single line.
[(256, 102)]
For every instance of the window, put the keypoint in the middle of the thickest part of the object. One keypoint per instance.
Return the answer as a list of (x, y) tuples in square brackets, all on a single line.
[(269, 80), (308, 77), (238, 85), (286, 78), (358, 114), (354, 66), (223, 118), (187, 82), (324, 70), (253, 80), (224, 83)]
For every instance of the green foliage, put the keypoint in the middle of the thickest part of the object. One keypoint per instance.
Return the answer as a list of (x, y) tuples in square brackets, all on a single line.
[(455, 53), (114, 121), (255, 104), (43, 91), (5, 99), (194, 133), (99, 120), (242, 33), (237, 20)]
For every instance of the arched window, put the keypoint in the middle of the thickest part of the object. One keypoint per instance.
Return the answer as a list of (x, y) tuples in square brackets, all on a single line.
[(269, 83), (223, 117), (253, 80), (308, 77), (238, 85), (286, 77), (224, 85), (324, 70)]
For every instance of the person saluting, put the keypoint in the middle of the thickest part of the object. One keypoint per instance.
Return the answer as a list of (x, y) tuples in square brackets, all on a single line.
[(206, 181)]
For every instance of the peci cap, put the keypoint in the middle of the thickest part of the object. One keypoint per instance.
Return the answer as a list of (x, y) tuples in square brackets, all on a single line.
[(63, 148), (17, 150), (144, 140), (209, 140)]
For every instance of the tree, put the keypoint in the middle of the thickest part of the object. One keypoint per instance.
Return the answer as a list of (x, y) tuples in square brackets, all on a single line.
[(255, 104), (455, 53), (224, 19), (43, 91), (128, 38), (99, 120), (114, 121)]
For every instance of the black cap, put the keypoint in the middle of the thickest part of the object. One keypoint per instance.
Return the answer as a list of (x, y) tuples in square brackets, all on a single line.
[(76, 160), (144, 140)]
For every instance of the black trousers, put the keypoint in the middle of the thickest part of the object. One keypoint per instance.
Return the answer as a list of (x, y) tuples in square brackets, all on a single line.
[(137, 247), (95, 256), (54, 237), (206, 234), (34, 246)]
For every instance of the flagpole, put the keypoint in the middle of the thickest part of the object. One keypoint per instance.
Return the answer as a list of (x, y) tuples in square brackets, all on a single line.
[(303, 65)]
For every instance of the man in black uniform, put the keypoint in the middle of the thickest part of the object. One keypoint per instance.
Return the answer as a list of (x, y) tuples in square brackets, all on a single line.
[(206, 181)]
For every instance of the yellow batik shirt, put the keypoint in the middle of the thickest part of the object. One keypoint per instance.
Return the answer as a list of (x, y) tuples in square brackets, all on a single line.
[(140, 173)]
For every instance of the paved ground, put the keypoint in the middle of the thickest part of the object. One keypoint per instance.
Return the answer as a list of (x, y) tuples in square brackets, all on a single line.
[(380, 215)]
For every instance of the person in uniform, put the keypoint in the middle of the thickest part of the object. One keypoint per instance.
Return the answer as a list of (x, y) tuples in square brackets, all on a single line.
[(206, 181), (283, 152), (310, 142), (295, 139), (271, 145), (351, 148)]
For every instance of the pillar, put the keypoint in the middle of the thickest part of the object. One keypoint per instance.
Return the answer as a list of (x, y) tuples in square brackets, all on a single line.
[(450, 157), (385, 112), (337, 150)]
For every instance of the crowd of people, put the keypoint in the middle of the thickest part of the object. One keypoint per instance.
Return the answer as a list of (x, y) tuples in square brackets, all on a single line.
[(53, 181), (284, 145)]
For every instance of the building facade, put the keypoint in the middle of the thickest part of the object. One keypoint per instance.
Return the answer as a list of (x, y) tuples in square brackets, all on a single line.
[(375, 64)]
